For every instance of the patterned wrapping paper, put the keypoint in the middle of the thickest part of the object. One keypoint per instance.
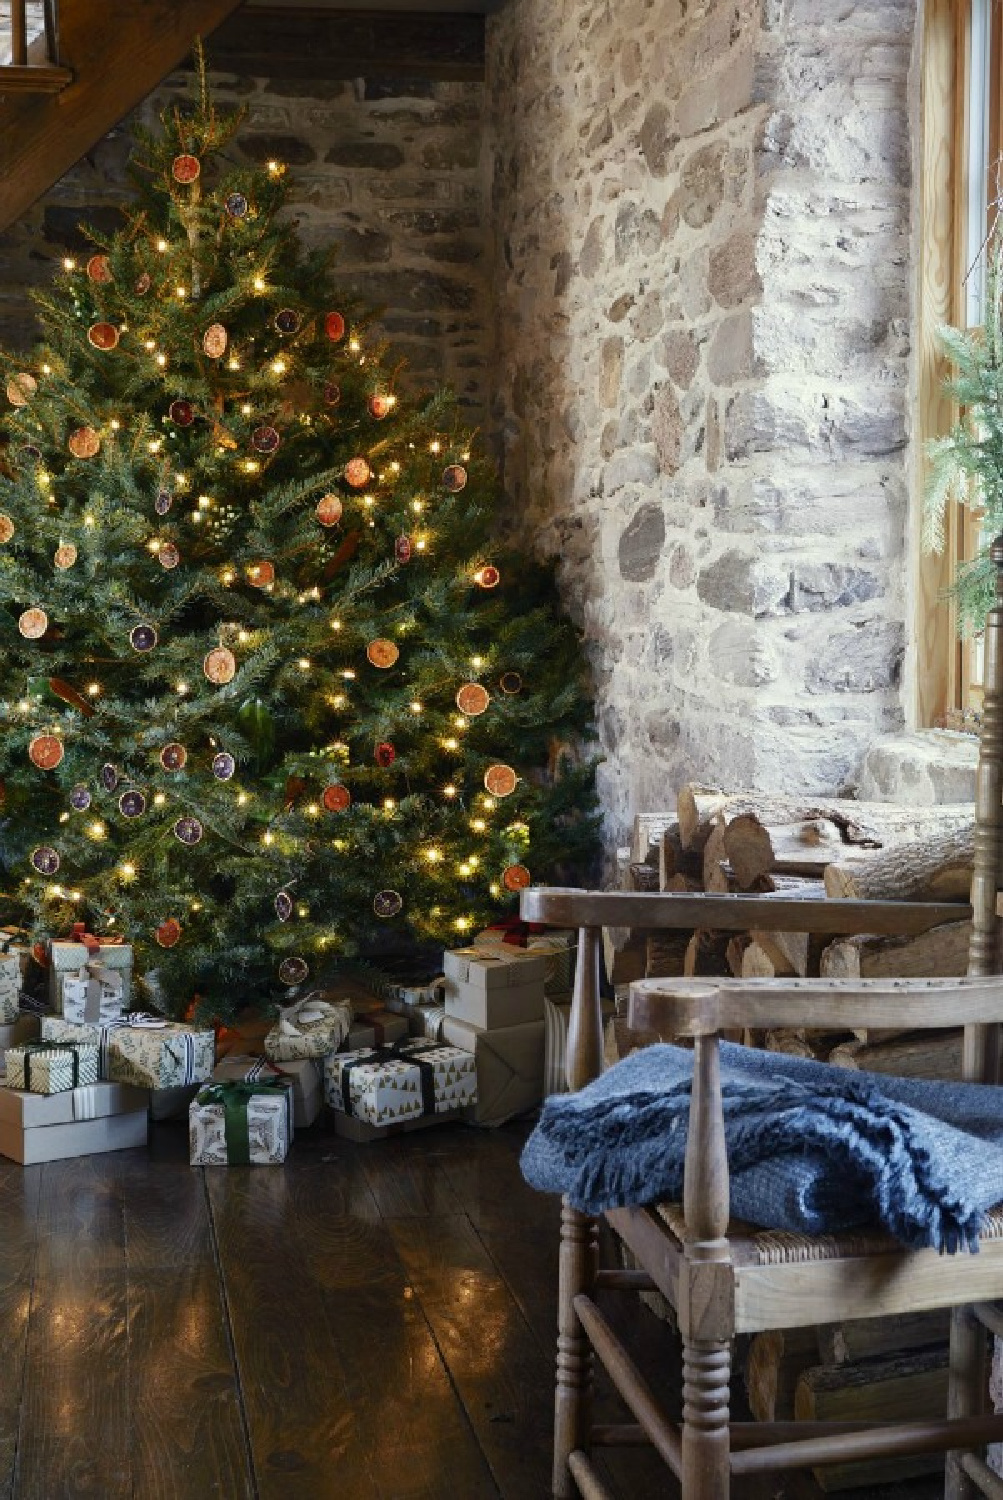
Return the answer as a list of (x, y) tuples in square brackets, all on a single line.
[(411, 1079), (69, 958), (10, 987), (556, 1018), (51, 1068), (15, 940), (241, 1124), (312, 1027), (95, 994), (427, 1021), (304, 1073), (145, 1050)]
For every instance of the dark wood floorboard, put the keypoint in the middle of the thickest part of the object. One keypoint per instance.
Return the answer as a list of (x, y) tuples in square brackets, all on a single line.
[(18, 1244), (364, 1323)]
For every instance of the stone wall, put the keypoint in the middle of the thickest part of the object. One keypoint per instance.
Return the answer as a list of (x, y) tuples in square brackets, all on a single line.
[(701, 212), (388, 170)]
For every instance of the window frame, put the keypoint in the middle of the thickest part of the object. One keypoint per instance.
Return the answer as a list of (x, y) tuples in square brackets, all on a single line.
[(956, 149)]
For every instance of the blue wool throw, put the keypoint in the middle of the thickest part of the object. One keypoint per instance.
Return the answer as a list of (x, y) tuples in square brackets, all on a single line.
[(811, 1148)]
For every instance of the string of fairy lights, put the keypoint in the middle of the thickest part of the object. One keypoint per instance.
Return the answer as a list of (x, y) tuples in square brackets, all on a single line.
[(260, 417)]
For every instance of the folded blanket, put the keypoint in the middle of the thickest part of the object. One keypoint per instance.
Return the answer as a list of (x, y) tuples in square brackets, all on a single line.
[(811, 1148)]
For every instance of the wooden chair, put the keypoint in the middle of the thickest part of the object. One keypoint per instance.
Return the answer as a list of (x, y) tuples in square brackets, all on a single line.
[(725, 1279)]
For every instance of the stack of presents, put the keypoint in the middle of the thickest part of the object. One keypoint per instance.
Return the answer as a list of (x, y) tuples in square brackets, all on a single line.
[(85, 1072)]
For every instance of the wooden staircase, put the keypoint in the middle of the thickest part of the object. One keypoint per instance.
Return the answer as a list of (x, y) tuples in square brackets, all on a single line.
[(66, 80)]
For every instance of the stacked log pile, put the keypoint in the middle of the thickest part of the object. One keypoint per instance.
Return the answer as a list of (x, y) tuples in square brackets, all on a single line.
[(812, 849), (820, 850)]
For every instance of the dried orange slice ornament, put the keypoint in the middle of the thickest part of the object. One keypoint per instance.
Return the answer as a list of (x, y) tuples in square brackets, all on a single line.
[(500, 780)]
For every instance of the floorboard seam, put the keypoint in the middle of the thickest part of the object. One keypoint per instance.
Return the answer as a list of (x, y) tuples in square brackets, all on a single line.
[(15, 1473), (231, 1344), (440, 1351)]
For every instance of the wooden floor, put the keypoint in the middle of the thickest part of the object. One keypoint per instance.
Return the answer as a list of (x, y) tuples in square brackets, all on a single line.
[(366, 1321)]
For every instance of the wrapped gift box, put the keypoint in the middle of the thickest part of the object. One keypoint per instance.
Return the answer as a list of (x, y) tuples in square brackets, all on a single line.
[(24, 1029), (51, 1067), (376, 1028), (10, 987), (70, 957), (144, 1050), (77, 1122), (386, 1085), (494, 987), (556, 1016), (426, 1021), (312, 1027), (241, 1124), (303, 1073), (94, 994), (15, 940), (509, 1063), (557, 945)]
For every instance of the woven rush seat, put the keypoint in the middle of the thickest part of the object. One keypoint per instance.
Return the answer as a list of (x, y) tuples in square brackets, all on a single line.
[(751, 1245)]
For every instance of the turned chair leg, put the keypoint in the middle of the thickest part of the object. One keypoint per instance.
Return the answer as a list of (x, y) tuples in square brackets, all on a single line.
[(706, 1439), (579, 1264), (968, 1393)]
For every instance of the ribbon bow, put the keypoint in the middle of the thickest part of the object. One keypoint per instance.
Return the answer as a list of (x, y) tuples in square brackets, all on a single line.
[(79, 934), (235, 1097), (515, 931)]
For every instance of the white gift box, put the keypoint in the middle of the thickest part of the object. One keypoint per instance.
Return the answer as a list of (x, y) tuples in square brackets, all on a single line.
[(310, 1028), (95, 994), (69, 958), (10, 987), (385, 1086), (46, 1068)]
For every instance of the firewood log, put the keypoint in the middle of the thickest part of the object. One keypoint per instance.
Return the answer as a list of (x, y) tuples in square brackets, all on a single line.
[(714, 857), (673, 859), (938, 868), (863, 823), (776, 1360), (757, 963), (734, 951), (919, 1054), (909, 1388), (706, 953), (869, 1338), (941, 953), (666, 955), (748, 847), (647, 834)]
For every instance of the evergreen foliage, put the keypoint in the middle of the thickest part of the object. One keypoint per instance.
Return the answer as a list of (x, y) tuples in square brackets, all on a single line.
[(199, 393), (967, 464)]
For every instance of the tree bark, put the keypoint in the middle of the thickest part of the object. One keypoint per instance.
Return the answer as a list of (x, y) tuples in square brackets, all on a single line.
[(872, 824), (931, 869)]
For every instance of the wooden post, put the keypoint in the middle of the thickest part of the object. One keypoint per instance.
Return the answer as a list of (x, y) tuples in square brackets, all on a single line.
[(704, 1317), (579, 1262), (579, 1257), (969, 1358), (585, 1023), (18, 34)]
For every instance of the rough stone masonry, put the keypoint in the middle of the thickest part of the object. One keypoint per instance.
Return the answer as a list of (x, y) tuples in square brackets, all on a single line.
[(702, 214)]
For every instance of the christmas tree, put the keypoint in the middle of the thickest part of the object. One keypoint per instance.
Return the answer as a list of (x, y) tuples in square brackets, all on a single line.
[(274, 697)]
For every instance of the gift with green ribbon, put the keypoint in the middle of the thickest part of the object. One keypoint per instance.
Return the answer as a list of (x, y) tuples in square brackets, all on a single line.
[(241, 1123), (51, 1067)]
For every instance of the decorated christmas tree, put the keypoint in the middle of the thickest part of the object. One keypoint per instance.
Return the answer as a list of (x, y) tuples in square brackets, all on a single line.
[(274, 698)]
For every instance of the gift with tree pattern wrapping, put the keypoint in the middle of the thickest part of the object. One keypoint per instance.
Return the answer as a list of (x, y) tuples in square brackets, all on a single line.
[(382, 1085), (145, 1050)]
